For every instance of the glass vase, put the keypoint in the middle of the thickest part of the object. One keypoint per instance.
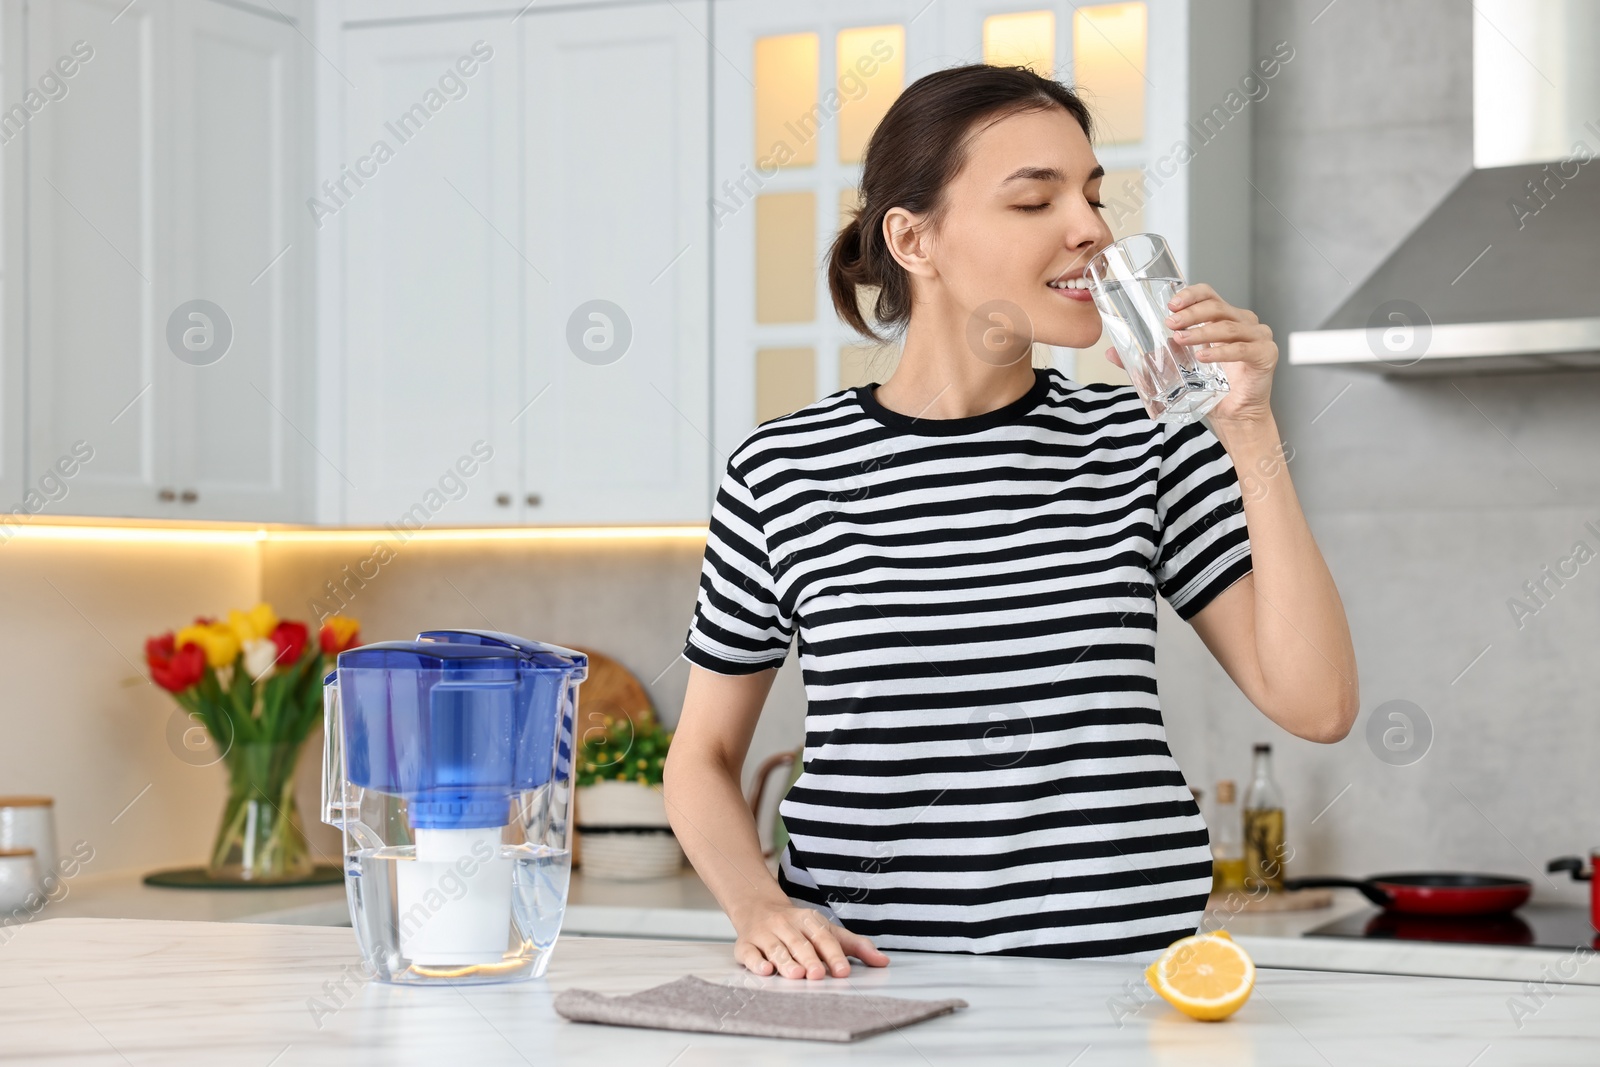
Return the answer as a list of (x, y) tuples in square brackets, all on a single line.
[(260, 838)]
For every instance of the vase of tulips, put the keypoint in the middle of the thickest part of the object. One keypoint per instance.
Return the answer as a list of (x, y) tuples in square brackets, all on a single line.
[(254, 683)]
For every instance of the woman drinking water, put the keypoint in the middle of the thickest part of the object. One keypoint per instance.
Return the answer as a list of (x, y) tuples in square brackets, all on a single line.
[(970, 555)]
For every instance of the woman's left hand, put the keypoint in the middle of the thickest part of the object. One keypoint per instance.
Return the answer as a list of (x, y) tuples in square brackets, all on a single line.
[(1234, 339)]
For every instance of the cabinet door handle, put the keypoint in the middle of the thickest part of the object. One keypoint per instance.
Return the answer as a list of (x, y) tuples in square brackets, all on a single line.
[(534, 500), (166, 495), (503, 499), (188, 496)]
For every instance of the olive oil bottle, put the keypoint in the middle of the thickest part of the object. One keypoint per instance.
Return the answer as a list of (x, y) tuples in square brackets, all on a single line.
[(1264, 849), (1227, 847)]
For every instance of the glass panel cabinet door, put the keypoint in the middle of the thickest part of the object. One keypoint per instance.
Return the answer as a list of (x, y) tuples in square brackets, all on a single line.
[(1022, 39), (1109, 56), (796, 93)]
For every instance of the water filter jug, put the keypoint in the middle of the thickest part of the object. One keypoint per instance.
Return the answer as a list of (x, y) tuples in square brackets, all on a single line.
[(448, 767)]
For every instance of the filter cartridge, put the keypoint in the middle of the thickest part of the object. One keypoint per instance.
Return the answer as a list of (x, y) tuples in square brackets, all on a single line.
[(455, 898)]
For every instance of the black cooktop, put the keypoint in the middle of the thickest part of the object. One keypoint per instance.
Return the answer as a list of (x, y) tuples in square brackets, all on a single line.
[(1562, 927)]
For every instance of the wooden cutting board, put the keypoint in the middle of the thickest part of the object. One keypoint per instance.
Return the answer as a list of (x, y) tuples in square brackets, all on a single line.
[(611, 689), (1288, 900)]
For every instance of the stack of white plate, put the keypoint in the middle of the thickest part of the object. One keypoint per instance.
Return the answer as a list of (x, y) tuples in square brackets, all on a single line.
[(626, 835)]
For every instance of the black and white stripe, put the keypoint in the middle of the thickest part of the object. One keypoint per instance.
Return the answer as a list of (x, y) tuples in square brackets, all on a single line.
[(986, 768)]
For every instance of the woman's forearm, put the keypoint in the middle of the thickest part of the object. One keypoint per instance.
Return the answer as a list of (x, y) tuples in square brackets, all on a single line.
[(1303, 646), (713, 822)]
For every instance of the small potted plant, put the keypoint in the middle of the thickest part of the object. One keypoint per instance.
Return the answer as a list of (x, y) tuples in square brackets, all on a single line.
[(622, 812)]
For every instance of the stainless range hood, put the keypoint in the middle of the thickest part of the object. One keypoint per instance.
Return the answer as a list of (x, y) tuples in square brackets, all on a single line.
[(1504, 275)]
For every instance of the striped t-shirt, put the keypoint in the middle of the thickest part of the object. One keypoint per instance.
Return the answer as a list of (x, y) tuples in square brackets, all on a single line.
[(985, 765)]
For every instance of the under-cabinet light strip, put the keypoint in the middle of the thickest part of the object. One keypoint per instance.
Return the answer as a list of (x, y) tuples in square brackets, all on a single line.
[(182, 535), (498, 533)]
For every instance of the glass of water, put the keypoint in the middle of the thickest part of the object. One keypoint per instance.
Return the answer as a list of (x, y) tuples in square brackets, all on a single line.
[(1131, 281)]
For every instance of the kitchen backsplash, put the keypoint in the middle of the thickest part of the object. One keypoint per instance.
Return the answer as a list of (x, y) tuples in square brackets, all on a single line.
[(79, 719), (631, 599)]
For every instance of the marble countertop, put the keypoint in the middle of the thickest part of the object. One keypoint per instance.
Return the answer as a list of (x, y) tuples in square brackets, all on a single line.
[(120, 992), (122, 894), (682, 908)]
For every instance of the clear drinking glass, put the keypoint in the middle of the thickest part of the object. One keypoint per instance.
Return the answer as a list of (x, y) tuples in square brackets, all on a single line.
[(1131, 281)]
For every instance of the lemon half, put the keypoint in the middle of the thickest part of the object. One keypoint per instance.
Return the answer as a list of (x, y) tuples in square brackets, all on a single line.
[(1206, 976)]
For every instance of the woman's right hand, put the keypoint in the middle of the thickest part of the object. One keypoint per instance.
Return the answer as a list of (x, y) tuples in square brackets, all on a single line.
[(798, 942), (714, 824)]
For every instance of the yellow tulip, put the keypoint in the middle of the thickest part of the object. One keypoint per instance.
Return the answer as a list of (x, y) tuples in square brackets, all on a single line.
[(218, 640), (255, 624)]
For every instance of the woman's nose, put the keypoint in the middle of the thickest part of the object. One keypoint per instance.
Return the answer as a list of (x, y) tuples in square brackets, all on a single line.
[(1084, 248)]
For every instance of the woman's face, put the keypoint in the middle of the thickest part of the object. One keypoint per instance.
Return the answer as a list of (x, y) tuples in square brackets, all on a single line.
[(1021, 214)]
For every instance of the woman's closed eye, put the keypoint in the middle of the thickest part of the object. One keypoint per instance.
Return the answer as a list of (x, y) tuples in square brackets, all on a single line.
[(1040, 207)]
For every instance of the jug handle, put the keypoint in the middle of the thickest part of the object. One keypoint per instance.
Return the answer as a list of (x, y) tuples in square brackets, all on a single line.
[(339, 801)]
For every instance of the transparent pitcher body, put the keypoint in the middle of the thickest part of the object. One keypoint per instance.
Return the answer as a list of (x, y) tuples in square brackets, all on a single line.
[(452, 785)]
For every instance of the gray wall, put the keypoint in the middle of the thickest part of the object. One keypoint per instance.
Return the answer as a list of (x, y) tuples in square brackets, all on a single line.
[(1432, 501)]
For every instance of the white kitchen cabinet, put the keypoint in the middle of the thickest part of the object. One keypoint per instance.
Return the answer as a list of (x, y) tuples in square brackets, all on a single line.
[(167, 171), (570, 169), (417, 338), (13, 294), (241, 235), (433, 254), (98, 160), (615, 150)]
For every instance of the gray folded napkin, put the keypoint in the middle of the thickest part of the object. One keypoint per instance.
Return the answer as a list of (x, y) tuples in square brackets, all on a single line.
[(691, 1003)]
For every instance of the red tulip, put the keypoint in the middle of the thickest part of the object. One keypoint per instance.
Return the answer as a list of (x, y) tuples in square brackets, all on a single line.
[(174, 669), (291, 639), (339, 633)]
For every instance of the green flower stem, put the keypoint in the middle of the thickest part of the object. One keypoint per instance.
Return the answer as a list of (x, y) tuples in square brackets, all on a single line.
[(260, 835)]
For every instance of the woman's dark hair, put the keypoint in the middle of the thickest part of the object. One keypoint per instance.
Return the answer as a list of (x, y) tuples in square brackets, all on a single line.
[(918, 148)]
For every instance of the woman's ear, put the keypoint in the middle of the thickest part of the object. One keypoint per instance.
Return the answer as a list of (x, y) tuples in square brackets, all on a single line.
[(907, 239)]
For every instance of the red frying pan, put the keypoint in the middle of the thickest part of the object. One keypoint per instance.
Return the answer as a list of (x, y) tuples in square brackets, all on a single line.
[(1432, 893)]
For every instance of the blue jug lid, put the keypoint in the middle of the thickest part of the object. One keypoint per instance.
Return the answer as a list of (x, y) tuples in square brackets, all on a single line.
[(481, 716), (541, 653), (464, 650)]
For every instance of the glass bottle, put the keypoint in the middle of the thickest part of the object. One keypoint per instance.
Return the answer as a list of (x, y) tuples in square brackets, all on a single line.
[(1227, 843), (1263, 825)]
